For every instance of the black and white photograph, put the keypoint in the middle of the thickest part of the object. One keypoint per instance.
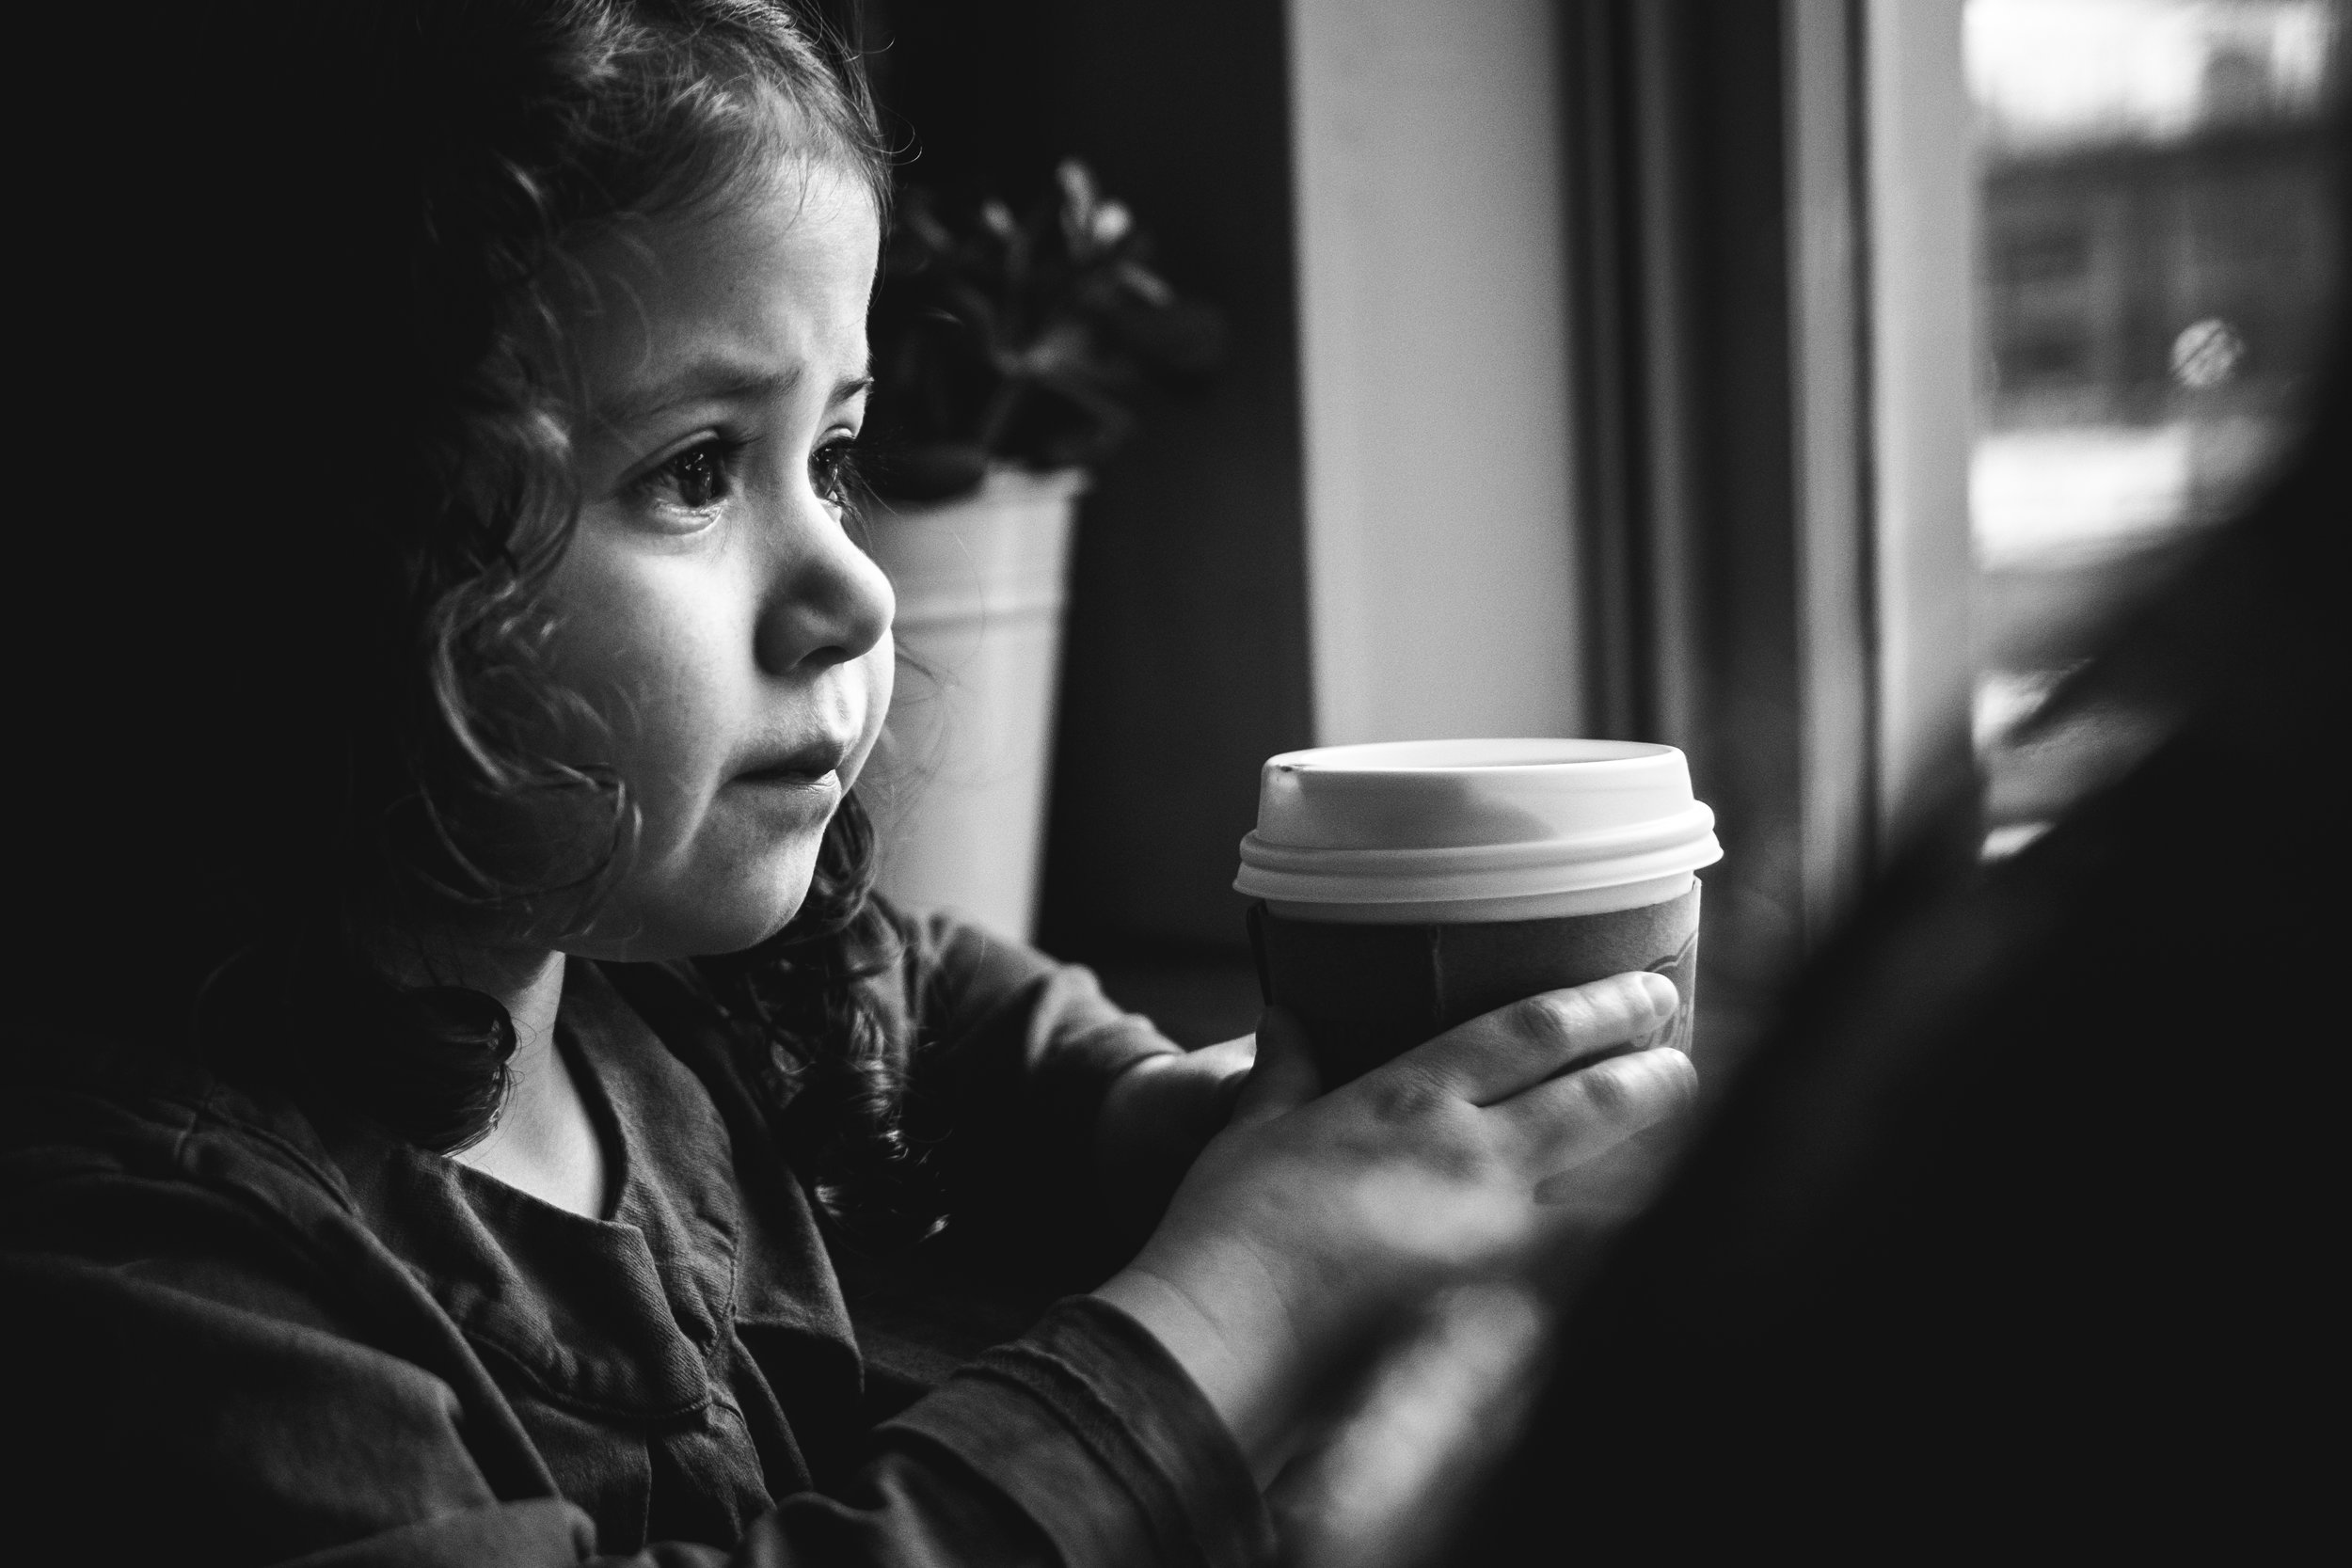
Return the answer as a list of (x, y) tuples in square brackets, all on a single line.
[(1114, 783)]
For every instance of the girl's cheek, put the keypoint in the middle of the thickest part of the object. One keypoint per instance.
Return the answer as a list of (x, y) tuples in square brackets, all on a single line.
[(881, 663)]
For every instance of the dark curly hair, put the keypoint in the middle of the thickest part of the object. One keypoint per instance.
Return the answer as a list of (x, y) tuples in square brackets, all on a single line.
[(408, 196)]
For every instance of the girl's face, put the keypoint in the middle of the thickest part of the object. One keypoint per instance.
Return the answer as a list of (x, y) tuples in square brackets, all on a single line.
[(731, 637)]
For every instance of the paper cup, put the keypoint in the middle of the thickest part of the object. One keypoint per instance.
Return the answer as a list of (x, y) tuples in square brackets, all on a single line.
[(1405, 888)]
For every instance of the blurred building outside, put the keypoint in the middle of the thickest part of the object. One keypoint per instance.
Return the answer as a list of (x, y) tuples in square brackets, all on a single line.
[(2156, 271)]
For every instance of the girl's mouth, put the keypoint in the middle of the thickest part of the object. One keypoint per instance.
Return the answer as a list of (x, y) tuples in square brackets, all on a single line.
[(802, 768), (788, 778)]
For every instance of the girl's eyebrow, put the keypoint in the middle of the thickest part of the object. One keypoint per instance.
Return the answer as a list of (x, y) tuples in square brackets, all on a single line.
[(714, 380)]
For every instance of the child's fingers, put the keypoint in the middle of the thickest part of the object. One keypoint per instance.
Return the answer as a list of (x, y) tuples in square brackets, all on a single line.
[(1284, 1075), (1582, 1115), (1512, 1049), (1234, 1060)]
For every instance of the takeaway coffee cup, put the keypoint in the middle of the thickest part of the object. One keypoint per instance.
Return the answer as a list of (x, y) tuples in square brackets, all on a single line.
[(1406, 887)]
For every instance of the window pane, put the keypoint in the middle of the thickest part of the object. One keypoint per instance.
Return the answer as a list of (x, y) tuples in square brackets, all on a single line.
[(2159, 260)]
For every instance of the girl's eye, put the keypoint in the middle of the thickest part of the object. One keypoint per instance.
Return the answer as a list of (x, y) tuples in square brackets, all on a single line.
[(696, 479), (830, 467), (698, 476)]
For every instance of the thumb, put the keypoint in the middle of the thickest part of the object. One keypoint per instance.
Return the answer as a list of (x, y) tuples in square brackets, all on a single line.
[(1284, 1075)]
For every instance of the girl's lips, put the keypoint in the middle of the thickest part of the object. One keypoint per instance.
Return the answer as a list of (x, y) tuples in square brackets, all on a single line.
[(804, 765), (785, 777)]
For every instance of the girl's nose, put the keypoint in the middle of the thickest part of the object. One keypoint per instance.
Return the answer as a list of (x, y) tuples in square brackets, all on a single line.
[(827, 602)]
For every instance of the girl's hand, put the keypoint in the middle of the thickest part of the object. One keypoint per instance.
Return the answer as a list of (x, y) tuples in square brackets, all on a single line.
[(1311, 1223), (1156, 1119)]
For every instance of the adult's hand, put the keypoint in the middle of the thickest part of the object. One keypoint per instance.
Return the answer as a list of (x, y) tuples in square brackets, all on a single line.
[(1310, 1223)]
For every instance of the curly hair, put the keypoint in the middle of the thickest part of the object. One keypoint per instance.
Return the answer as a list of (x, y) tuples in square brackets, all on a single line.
[(472, 152)]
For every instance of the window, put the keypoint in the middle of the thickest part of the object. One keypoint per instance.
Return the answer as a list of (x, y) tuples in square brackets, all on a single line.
[(2155, 216)]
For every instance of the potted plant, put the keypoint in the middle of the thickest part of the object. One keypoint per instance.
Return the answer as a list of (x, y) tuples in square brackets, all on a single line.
[(1006, 353)]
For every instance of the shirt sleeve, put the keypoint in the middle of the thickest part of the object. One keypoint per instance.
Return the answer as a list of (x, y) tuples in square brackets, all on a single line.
[(1014, 1053)]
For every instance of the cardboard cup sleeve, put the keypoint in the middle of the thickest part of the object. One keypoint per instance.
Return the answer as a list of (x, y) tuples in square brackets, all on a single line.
[(1366, 993)]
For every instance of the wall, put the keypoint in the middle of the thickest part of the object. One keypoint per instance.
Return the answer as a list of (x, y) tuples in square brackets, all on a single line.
[(1432, 345)]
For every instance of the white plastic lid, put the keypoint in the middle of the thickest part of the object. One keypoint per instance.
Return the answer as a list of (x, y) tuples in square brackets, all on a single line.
[(1478, 827)]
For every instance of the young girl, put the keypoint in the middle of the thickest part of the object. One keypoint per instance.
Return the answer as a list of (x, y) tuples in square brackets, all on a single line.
[(451, 1167)]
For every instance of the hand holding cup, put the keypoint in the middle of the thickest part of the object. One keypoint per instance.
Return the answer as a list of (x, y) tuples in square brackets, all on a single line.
[(1313, 1220), (1485, 951)]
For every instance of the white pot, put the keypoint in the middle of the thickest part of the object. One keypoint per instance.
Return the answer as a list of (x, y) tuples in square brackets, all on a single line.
[(956, 786)]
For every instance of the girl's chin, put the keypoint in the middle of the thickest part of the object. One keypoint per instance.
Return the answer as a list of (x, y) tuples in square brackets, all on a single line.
[(657, 940), (703, 922)]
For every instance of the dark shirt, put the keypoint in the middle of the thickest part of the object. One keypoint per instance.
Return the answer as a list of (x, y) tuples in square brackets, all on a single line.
[(282, 1333)]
